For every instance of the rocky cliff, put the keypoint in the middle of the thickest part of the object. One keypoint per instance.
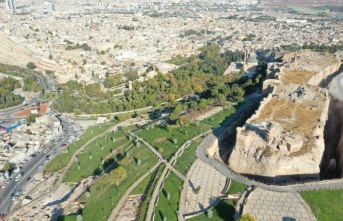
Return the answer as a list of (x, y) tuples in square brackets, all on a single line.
[(285, 137)]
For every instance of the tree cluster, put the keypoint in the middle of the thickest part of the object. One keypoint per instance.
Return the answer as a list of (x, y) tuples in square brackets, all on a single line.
[(31, 118), (201, 75), (319, 48), (83, 46), (7, 97)]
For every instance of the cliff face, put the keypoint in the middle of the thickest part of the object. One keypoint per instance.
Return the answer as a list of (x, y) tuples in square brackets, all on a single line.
[(285, 137)]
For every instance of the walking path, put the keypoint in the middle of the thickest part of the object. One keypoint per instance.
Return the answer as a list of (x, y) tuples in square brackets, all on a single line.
[(159, 184), (211, 184), (122, 201), (71, 161), (270, 206), (168, 165)]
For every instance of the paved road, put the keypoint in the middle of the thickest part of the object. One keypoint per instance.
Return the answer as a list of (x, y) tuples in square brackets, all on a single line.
[(49, 82), (30, 169)]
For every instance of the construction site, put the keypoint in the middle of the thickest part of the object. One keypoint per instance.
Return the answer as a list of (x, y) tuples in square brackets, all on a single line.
[(284, 140)]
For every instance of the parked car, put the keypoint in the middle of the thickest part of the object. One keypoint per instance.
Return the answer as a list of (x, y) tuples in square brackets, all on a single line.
[(18, 177)]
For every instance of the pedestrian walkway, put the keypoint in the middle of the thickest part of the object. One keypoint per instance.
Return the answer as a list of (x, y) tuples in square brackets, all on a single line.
[(267, 205), (168, 165), (203, 189), (71, 161), (120, 204)]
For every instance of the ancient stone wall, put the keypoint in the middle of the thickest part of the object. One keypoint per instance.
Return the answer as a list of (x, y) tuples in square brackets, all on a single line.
[(255, 155), (14, 54)]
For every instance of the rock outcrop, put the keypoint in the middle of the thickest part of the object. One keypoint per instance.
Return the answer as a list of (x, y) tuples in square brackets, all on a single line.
[(285, 137)]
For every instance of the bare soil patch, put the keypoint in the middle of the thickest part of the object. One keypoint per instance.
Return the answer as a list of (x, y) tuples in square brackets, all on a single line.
[(27, 111), (297, 77), (120, 138), (161, 139)]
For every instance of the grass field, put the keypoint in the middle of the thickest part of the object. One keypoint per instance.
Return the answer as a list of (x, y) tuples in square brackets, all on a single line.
[(325, 204), (185, 161), (67, 218), (168, 208), (223, 211), (143, 187), (61, 161), (216, 120), (163, 140), (105, 195), (236, 187), (88, 167)]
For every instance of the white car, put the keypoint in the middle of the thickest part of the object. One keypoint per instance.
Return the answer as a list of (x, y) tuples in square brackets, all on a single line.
[(18, 177)]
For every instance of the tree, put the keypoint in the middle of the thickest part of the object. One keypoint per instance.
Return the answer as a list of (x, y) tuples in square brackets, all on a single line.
[(126, 161), (117, 175), (31, 118), (7, 167), (176, 113), (31, 65), (247, 217), (131, 75)]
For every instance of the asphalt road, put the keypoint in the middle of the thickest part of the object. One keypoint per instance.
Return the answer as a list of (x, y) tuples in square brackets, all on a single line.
[(49, 82), (31, 168), (6, 114)]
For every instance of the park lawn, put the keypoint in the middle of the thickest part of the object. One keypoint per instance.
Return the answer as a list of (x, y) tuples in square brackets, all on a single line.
[(325, 204), (163, 140), (67, 218), (105, 195), (142, 186), (185, 161), (216, 120), (168, 208), (223, 211), (148, 191), (90, 167), (236, 188), (61, 161)]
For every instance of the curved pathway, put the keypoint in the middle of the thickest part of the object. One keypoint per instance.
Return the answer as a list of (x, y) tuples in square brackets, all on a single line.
[(123, 199), (270, 206), (163, 160), (160, 182), (71, 161)]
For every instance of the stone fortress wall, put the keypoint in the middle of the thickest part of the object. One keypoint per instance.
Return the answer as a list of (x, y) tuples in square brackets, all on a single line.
[(285, 136), (13, 53)]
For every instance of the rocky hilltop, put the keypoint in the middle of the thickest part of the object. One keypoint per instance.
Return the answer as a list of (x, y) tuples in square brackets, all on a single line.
[(285, 137)]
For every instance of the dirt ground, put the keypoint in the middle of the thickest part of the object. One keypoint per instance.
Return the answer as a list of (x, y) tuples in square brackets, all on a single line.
[(26, 112), (159, 140)]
